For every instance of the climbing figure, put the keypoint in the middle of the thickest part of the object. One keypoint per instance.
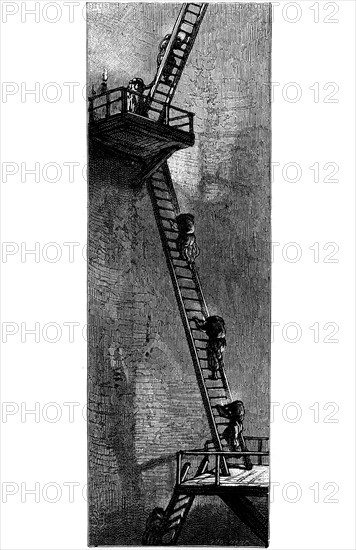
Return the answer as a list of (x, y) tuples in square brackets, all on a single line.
[(171, 63), (186, 240), (136, 102), (153, 533), (235, 412), (214, 327)]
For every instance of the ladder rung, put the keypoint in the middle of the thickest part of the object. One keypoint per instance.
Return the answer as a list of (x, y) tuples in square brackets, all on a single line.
[(219, 384), (160, 192), (178, 263), (161, 207), (184, 277), (166, 201), (183, 497), (181, 507), (165, 94), (174, 521), (186, 270), (159, 189), (192, 302), (216, 388), (185, 22), (166, 210), (155, 184), (190, 299), (223, 423), (183, 288), (222, 396), (220, 389)]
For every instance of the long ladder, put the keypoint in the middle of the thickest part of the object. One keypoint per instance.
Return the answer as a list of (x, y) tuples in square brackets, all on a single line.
[(176, 54), (191, 303)]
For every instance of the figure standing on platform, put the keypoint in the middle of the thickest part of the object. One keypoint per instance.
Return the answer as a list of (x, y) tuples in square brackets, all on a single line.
[(214, 327), (153, 533), (186, 240), (235, 412), (136, 102)]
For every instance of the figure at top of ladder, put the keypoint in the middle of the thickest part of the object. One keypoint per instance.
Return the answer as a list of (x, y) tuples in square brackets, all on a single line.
[(171, 62), (174, 50), (173, 53)]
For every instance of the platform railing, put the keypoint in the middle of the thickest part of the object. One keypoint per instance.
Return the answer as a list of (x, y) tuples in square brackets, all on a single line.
[(216, 455), (123, 100), (259, 441)]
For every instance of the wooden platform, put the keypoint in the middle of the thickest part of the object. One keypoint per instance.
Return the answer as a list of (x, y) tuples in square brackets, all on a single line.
[(252, 482), (146, 144), (139, 136), (143, 138)]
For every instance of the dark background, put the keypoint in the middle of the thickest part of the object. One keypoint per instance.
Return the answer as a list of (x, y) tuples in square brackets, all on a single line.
[(144, 402)]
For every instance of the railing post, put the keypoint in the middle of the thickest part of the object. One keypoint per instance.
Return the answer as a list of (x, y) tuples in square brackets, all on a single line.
[(124, 101), (107, 97), (191, 127), (179, 467), (91, 109), (260, 450), (217, 472), (167, 107)]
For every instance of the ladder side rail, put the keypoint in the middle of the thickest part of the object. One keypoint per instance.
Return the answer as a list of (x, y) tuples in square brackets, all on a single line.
[(168, 52), (193, 268), (195, 274), (187, 51), (183, 518), (186, 325)]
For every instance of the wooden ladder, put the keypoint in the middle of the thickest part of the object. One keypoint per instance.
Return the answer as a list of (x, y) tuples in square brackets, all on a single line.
[(191, 303), (176, 54)]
